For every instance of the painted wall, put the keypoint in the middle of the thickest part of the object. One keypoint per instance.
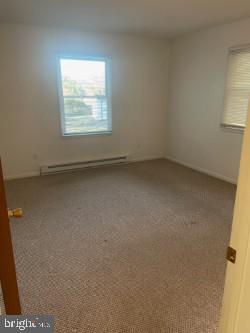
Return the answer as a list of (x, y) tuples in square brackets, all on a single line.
[(198, 67), (29, 112)]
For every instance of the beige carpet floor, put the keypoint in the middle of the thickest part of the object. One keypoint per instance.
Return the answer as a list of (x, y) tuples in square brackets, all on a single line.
[(134, 248)]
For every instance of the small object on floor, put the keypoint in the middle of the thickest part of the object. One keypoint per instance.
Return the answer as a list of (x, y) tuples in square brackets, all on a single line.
[(17, 212)]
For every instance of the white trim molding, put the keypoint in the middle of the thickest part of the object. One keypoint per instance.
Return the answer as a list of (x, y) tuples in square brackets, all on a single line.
[(202, 170), (37, 173)]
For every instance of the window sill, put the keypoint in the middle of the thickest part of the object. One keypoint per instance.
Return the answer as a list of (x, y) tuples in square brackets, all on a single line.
[(77, 135), (233, 129)]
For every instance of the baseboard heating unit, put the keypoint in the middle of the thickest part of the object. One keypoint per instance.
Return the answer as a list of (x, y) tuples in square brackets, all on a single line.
[(74, 166)]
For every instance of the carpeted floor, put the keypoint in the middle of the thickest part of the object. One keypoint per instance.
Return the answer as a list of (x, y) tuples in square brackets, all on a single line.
[(136, 248)]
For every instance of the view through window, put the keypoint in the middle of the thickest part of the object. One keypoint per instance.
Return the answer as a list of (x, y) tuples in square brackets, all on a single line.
[(85, 96)]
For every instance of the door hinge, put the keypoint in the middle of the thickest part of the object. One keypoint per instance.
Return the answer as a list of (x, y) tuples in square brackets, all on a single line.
[(231, 254)]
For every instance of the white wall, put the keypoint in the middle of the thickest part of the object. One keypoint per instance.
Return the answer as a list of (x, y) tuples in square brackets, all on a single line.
[(29, 112), (198, 66)]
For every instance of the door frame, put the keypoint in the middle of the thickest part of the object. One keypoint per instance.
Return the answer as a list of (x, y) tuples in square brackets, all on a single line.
[(7, 263), (240, 241)]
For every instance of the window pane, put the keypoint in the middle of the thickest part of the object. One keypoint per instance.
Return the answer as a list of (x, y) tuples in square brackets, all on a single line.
[(238, 88), (85, 96), (83, 77), (236, 106), (86, 115), (239, 72)]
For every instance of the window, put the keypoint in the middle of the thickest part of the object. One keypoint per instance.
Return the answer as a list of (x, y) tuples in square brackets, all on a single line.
[(237, 88), (85, 96)]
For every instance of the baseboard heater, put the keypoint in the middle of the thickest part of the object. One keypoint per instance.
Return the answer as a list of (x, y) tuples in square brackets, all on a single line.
[(69, 167)]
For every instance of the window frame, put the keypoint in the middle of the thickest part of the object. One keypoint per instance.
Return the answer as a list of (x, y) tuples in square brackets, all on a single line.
[(224, 126), (108, 86)]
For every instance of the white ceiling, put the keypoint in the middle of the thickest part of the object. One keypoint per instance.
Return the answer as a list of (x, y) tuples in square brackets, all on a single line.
[(164, 18)]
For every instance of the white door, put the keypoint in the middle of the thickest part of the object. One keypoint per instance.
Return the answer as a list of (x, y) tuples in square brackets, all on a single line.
[(236, 302)]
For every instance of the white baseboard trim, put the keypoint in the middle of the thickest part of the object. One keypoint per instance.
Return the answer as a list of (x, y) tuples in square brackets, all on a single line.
[(23, 175), (144, 159), (202, 170), (37, 173)]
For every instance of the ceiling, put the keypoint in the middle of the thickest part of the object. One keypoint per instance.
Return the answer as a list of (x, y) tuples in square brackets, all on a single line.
[(163, 18)]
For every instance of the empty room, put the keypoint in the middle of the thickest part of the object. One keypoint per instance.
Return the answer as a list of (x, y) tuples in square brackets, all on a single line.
[(124, 144)]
